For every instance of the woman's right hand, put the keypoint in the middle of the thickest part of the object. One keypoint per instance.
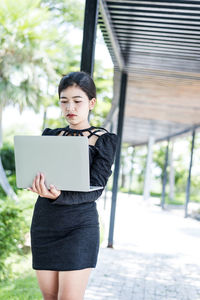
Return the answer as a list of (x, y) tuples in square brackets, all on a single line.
[(40, 188)]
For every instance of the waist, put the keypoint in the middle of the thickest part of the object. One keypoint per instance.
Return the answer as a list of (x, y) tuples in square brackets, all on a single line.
[(58, 217)]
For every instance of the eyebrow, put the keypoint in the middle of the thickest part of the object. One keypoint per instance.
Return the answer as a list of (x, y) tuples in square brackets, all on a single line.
[(74, 97)]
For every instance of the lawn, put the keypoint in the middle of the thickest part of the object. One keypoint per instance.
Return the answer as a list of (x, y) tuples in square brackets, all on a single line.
[(23, 283), (22, 288)]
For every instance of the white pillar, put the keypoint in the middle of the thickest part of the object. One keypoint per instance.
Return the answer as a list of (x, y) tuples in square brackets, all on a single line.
[(171, 174), (147, 180)]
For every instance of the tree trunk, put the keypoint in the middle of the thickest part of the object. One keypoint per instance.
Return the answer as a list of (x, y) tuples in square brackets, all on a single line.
[(44, 118), (3, 179)]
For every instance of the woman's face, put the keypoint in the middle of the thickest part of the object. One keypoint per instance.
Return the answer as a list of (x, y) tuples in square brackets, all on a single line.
[(75, 105)]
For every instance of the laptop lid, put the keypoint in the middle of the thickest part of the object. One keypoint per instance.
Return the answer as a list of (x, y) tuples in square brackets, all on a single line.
[(63, 160)]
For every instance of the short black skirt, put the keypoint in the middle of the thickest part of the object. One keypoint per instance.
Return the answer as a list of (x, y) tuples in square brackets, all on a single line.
[(64, 237)]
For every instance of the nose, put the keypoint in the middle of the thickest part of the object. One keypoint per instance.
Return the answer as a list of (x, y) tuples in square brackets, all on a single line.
[(70, 106)]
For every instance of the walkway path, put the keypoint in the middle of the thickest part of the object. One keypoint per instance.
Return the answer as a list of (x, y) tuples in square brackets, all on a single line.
[(156, 255)]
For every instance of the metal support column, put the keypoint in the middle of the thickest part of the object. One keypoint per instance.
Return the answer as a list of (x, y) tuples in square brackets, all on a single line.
[(89, 36), (187, 200), (147, 179), (122, 99), (164, 182)]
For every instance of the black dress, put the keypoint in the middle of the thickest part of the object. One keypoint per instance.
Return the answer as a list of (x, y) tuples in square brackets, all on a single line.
[(65, 231)]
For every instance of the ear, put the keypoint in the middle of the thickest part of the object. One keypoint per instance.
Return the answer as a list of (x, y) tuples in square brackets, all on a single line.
[(92, 103)]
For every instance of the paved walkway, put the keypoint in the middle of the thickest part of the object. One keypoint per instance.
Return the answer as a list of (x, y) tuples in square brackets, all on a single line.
[(156, 255)]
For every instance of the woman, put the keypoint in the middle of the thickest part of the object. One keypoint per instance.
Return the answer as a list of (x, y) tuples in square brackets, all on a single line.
[(65, 226)]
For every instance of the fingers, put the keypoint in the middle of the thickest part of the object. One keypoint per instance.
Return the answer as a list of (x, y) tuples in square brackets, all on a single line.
[(33, 187), (54, 191), (43, 187), (40, 188), (36, 184)]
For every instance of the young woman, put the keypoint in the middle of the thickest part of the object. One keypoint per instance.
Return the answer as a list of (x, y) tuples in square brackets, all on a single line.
[(65, 225)]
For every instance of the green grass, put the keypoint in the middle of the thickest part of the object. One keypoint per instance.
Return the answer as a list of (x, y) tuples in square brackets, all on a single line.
[(22, 283), (23, 288), (178, 200)]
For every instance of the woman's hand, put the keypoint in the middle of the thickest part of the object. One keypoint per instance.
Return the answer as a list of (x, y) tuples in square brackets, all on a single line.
[(40, 188)]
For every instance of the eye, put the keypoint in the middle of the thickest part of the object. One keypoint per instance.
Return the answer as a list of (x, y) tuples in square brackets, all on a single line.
[(77, 101)]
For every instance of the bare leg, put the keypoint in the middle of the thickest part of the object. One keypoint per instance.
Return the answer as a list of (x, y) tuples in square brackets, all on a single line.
[(72, 284), (48, 283)]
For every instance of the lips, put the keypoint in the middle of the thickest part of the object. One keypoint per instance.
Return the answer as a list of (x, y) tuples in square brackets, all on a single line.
[(71, 115)]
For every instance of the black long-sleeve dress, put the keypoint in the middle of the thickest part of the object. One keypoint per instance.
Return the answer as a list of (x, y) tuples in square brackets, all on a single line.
[(65, 231)]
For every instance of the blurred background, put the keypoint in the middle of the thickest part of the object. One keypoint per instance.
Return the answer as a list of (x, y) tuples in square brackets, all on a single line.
[(40, 40)]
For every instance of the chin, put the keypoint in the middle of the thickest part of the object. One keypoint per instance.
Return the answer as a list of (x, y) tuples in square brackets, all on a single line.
[(73, 122)]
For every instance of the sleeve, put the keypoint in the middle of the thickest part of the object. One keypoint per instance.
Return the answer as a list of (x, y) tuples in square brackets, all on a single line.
[(100, 172), (46, 131)]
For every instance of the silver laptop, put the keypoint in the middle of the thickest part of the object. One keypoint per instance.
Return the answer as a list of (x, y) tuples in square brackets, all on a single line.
[(63, 160)]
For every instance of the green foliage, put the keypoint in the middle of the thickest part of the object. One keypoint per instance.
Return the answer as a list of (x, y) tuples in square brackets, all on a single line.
[(159, 159), (104, 83), (12, 231), (8, 159), (22, 288), (66, 12), (56, 123), (139, 167), (179, 199), (23, 282), (25, 68), (35, 52)]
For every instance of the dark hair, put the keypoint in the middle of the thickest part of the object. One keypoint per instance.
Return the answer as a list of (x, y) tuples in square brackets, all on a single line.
[(80, 79)]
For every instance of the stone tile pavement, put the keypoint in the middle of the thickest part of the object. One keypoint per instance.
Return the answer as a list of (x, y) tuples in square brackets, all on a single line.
[(156, 254)]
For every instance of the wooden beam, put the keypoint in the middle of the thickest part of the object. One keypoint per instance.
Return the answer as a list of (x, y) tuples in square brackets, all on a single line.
[(157, 38), (150, 111), (174, 19), (125, 33), (171, 4), (166, 25), (111, 32), (157, 30)]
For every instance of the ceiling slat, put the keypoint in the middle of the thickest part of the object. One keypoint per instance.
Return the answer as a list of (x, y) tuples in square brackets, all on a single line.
[(157, 40)]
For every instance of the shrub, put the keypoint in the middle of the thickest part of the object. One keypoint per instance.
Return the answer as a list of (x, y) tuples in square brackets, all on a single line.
[(12, 232), (8, 159)]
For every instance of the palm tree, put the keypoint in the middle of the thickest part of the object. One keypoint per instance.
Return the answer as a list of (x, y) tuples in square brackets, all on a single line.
[(25, 69)]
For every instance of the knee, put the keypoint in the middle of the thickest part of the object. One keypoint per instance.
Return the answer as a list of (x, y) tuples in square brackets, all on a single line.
[(50, 296), (69, 296)]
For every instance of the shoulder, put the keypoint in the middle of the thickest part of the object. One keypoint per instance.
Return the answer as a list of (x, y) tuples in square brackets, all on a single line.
[(49, 131), (98, 131), (106, 138)]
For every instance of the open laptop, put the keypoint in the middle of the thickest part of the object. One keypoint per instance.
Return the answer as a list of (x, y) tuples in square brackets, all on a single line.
[(64, 161)]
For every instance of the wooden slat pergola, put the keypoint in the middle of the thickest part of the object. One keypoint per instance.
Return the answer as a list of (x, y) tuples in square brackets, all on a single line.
[(157, 43), (155, 49)]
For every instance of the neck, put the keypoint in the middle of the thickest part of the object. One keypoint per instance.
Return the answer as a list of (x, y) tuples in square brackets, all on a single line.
[(79, 126)]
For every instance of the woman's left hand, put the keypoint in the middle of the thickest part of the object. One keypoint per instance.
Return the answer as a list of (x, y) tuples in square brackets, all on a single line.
[(40, 188)]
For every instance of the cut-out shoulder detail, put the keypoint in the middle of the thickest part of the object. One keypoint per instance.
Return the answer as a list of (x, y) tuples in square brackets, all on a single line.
[(99, 138), (100, 133), (94, 137), (93, 133)]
